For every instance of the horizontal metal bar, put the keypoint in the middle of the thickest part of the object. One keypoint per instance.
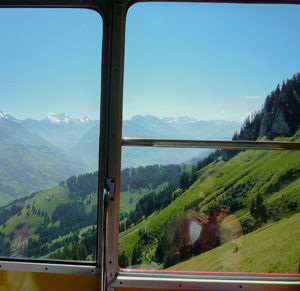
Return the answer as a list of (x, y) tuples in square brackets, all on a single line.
[(203, 282), (132, 2), (49, 268), (215, 144), (50, 4), (207, 275)]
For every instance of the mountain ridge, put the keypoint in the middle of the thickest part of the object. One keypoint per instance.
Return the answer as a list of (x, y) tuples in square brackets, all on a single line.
[(79, 137), (280, 114)]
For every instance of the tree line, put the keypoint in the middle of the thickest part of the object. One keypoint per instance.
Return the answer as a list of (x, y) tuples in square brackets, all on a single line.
[(280, 114), (149, 176), (72, 217), (78, 249), (82, 185), (148, 204)]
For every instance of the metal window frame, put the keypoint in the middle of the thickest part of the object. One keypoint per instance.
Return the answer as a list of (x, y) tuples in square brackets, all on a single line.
[(211, 144), (184, 280), (65, 266), (113, 14), (203, 281)]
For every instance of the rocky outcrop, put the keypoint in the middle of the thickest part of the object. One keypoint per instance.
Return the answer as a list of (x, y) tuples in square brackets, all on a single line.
[(280, 115)]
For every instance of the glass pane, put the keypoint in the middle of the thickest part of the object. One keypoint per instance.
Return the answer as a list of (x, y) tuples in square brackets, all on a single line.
[(212, 75), (200, 77), (49, 124), (234, 211)]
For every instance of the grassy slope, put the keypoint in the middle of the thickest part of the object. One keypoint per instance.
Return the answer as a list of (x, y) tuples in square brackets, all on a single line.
[(128, 239), (82, 232), (273, 174), (264, 168), (274, 248), (160, 219), (30, 166), (135, 196), (45, 201)]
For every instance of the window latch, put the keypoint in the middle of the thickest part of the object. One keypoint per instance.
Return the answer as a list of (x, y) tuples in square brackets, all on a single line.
[(110, 188)]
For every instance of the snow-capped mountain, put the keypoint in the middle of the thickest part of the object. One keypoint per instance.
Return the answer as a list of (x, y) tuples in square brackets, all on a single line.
[(4, 115), (66, 118), (180, 119), (87, 119), (62, 130)]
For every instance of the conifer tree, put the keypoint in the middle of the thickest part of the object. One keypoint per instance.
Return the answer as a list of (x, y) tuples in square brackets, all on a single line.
[(258, 210), (136, 254), (184, 180), (123, 259)]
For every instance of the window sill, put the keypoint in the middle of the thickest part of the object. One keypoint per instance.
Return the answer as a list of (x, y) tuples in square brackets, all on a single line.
[(204, 281), (48, 267)]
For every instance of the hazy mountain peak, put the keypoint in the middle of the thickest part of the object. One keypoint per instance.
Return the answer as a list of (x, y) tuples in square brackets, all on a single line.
[(3, 115), (144, 118), (66, 118), (59, 118), (219, 122), (86, 119), (180, 119)]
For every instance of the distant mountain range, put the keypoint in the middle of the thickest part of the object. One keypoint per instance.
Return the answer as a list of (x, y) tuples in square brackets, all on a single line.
[(79, 137), (174, 128), (181, 128), (38, 153), (61, 130), (153, 127)]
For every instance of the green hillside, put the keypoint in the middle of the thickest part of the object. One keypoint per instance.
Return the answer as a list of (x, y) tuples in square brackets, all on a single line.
[(130, 198), (271, 249), (272, 175), (59, 223)]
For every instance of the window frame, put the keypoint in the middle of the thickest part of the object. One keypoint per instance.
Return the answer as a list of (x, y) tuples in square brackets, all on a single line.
[(62, 266), (113, 14), (193, 280)]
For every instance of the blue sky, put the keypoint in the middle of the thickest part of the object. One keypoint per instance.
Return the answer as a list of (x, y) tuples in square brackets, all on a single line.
[(208, 61), (50, 62)]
